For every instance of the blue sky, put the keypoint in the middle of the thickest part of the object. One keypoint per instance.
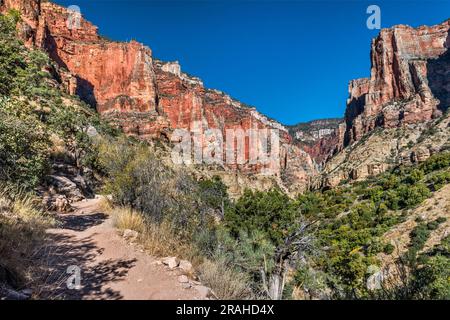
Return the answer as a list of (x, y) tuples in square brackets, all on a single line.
[(291, 59)]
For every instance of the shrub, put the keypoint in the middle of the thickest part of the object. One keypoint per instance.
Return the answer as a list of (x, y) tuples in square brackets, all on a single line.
[(126, 218), (411, 196), (436, 162), (270, 212), (226, 282), (158, 239), (415, 176), (388, 248), (24, 147), (441, 220), (431, 280)]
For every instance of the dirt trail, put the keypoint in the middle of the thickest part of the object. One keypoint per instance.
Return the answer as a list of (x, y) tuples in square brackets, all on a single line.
[(110, 267)]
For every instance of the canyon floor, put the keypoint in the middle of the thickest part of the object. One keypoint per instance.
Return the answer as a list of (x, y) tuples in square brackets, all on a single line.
[(111, 268)]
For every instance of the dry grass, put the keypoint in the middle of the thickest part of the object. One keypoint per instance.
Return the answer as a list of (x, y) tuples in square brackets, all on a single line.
[(22, 230), (158, 239), (105, 205), (226, 283), (125, 218)]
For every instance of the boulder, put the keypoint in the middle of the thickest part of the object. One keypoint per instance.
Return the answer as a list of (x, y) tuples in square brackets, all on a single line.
[(186, 266), (10, 294), (65, 186), (186, 285), (130, 235), (183, 279), (171, 262)]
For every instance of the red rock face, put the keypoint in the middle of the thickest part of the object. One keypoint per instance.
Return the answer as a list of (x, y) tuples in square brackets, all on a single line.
[(319, 138), (409, 80), (409, 83), (187, 103), (112, 76), (147, 98), (29, 10)]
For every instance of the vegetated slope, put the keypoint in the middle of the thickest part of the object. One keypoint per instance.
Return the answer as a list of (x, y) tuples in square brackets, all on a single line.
[(321, 244), (357, 224), (385, 148)]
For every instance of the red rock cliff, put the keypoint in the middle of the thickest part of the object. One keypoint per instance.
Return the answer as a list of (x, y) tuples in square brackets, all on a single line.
[(146, 98), (409, 80)]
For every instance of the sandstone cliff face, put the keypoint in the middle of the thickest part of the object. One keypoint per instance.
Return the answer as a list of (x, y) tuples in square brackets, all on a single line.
[(112, 76), (29, 10), (148, 98), (320, 138), (186, 102), (390, 115), (409, 80)]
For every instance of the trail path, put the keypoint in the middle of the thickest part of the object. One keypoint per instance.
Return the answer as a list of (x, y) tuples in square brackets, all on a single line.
[(110, 267)]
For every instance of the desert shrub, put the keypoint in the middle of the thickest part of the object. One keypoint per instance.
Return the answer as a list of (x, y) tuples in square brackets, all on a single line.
[(441, 220), (413, 195), (24, 148), (388, 248), (270, 212), (436, 162), (374, 194), (415, 176), (225, 281), (419, 235), (438, 180), (214, 194), (137, 178), (22, 232), (391, 181)]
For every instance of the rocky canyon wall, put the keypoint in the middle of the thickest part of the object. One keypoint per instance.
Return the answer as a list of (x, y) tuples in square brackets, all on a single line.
[(398, 114), (409, 84), (145, 97), (409, 80)]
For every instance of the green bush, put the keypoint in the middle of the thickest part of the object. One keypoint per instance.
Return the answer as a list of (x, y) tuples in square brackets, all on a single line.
[(270, 212), (388, 248), (24, 146)]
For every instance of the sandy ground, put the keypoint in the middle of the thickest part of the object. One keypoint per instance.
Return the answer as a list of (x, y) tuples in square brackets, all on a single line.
[(110, 267)]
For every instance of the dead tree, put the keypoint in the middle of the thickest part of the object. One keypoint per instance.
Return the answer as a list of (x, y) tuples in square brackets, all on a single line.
[(295, 247)]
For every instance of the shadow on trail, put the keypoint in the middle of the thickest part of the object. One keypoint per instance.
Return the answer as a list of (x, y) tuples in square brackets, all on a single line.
[(78, 222), (64, 251)]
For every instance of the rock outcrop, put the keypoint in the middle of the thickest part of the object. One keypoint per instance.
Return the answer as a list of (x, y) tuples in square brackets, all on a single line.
[(397, 115), (409, 80), (320, 138)]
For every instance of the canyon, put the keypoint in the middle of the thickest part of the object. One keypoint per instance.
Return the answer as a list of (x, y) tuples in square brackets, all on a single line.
[(408, 88)]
